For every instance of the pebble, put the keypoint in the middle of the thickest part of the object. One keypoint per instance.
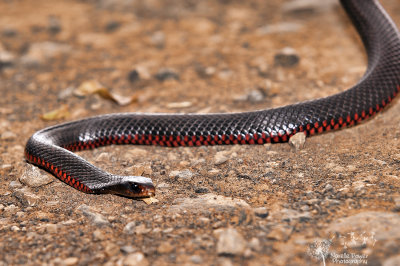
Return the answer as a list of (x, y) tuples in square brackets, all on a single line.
[(220, 157), (142, 229), (51, 228), (307, 6), (54, 25), (130, 228), (297, 140), (95, 218), (98, 235), (15, 184), (255, 244), (230, 242), (71, 261), (289, 215), (111, 249), (287, 57), (158, 39), (8, 135), (7, 59), (280, 232), (135, 259), (112, 26), (261, 212), (166, 74), (174, 105), (33, 177), (253, 96), (128, 249), (184, 174), (26, 197), (40, 52), (165, 247), (279, 28), (196, 259), (133, 76)]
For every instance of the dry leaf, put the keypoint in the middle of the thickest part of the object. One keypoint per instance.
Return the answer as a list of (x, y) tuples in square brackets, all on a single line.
[(56, 114), (94, 87), (150, 200)]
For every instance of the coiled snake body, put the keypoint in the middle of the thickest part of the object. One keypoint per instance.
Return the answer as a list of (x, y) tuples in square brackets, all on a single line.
[(51, 148)]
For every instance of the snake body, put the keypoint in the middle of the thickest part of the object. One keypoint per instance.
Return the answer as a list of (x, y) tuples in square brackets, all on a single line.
[(51, 148)]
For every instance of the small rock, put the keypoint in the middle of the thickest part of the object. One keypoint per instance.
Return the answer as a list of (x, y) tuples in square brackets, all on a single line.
[(220, 157), (128, 249), (25, 197), (8, 135), (111, 249), (230, 242), (7, 59), (130, 228), (297, 140), (158, 39), (287, 57), (225, 74), (174, 105), (261, 212), (40, 52), (135, 259), (196, 259), (185, 174), (255, 244), (279, 28), (98, 235), (328, 188), (112, 26), (166, 74), (201, 190), (280, 232), (289, 215), (308, 6), (142, 229), (51, 228), (15, 184), (54, 26), (95, 218), (9, 32), (32, 177), (133, 76), (165, 247), (71, 261), (15, 228), (253, 96)]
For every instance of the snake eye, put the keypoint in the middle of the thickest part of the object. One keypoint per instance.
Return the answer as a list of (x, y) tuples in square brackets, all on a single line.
[(135, 188)]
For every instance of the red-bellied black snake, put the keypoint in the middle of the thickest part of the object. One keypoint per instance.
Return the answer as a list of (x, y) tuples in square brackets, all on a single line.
[(51, 148)]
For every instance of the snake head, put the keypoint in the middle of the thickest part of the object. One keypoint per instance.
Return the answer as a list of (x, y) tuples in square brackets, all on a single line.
[(132, 187)]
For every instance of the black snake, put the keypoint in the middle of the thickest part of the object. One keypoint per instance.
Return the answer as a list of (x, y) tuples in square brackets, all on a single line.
[(51, 148)]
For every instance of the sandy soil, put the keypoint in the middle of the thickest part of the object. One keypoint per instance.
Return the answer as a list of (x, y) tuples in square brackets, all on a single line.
[(221, 205)]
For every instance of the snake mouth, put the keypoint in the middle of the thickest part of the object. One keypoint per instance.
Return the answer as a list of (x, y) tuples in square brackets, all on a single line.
[(130, 189)]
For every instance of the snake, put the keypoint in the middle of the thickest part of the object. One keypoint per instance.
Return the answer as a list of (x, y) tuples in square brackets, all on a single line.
[(52, 148)]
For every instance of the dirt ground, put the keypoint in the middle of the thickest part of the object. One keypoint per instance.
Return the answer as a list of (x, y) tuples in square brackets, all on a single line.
[(336, 200)]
